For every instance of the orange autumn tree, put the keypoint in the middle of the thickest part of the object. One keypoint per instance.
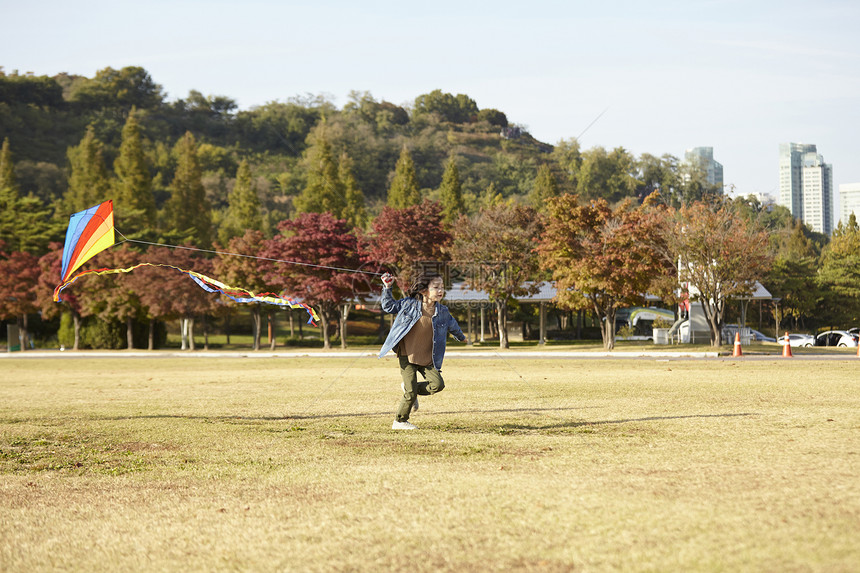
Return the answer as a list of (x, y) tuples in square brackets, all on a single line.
[(601, 258), (718, 252)]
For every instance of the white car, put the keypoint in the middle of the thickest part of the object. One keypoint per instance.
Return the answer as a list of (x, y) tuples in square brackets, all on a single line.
[(798, 340), (840, 338)]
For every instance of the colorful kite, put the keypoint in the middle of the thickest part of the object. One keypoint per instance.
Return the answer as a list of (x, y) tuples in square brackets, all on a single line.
[(92, 231)]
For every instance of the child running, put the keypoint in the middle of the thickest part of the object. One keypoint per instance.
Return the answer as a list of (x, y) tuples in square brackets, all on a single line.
[(418, 335)]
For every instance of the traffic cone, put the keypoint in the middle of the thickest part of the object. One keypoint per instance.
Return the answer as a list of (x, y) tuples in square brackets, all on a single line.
[(737, 351), (786, 348)]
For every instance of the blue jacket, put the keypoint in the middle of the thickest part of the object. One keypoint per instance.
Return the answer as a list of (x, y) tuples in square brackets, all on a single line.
[(408, 312)]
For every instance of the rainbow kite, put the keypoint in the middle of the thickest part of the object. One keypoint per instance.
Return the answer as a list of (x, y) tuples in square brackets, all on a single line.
[(92, 231)]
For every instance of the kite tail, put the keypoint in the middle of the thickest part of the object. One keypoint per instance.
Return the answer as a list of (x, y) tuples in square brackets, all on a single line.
[(208, 284)]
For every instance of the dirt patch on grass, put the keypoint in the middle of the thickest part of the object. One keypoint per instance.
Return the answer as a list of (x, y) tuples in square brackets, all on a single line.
[(71, 454)]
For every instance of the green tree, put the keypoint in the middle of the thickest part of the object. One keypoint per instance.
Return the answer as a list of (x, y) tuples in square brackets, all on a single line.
[(126, 88), (134, 203), (451, 193), (493, 117), (567, 155), (25, 223), (608, 175), (188, 213), (456, 109), (545, 187), (324, 191), (840, 271), (354, 212), (243, 207), (9, 197), (659, 174), (89, 182), (403, 190)]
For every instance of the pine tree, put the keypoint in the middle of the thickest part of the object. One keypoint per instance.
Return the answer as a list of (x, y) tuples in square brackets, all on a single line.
[(8, 195), (840, 268), (25, 223), (490, 197), (451, 193), (134, 203), (243, 207), (89, 182), (187, 210), (324, 192), (545, 187), (403, 191), (8, 182), (354, 213)]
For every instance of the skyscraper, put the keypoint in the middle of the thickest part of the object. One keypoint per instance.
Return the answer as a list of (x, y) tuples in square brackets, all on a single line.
[(806, 185), (703, 158), (849, 199)]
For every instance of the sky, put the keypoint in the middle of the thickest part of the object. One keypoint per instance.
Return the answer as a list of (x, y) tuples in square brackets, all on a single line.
[(739, 76)]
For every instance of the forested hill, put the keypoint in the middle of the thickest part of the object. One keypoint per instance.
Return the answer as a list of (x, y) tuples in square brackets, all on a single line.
[(46, 118)]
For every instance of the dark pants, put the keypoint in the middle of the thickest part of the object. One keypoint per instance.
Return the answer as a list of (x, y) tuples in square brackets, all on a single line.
[(414, 388)]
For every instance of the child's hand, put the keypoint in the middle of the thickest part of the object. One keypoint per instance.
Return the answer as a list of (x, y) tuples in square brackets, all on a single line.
[(387, 280)]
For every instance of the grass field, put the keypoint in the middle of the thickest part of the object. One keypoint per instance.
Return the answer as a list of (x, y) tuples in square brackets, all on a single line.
[(288, 464)]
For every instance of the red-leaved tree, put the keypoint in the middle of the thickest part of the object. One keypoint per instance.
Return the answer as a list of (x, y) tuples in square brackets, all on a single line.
[(327, 243), (113, 296), (167, 293), (402, 237), (249, 272), (499, 242), (50, 265), (19, 275)]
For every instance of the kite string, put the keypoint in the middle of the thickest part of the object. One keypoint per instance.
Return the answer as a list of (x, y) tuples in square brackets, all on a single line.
[(126, 239)]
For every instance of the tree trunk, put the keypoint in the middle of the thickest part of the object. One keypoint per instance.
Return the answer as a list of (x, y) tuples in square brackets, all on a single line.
[(273, 340), (502, 319), (255, 315), (714, 315), (77, 320), (471, 320), (23, 334), (205, 333), (292, 323), (609, 327), (150, 344), (129, 331), (324, 329), (344, 315), (191, 333), (579, 316), (227, 318), (183, 333)]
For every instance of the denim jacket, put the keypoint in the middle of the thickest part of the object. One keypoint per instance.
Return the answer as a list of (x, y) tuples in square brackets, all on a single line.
[(408, 312)]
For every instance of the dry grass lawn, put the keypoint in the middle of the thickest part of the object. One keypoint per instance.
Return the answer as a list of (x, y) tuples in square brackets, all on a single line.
[(288, 464)]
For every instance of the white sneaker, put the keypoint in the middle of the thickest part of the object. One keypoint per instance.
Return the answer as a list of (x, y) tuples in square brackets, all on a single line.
[(403, 426), (415, 403)]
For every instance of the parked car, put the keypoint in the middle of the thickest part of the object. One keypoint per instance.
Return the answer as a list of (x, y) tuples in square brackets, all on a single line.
[(841, 338), (759, 337), (798, 340), (729, 331)]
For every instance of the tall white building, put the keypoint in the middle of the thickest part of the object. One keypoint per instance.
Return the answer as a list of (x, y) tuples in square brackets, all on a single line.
[(806, 185), (703, 158), (849, 199)]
